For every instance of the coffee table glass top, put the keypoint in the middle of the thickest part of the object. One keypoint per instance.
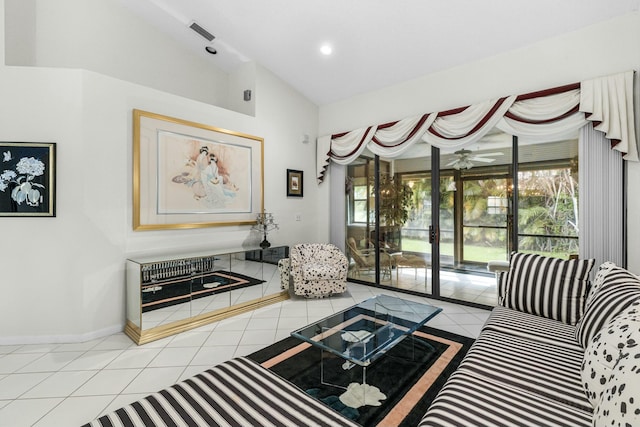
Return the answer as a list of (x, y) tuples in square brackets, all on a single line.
[(366, 331)]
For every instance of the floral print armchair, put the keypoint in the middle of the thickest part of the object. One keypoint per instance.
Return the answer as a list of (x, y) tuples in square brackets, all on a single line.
[(318, 269)]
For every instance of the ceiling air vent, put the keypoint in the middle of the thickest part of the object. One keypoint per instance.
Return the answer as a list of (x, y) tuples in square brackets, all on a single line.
[(204, 33)]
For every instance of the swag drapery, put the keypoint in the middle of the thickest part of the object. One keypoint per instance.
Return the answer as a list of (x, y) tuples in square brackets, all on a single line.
[(607, 102)]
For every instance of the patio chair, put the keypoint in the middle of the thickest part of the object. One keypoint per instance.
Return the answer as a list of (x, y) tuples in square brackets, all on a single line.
[(365, 259)]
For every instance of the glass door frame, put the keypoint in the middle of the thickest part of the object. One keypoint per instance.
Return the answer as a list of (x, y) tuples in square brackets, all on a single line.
[(512, 214), (374, 231), (434, 228), (376, 209)]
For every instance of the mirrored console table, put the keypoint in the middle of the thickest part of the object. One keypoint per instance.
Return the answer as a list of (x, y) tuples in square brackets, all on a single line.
[(172, 293)]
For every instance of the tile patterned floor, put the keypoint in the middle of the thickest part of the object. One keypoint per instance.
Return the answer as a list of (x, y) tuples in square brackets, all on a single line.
[(475, 288), (56, 385)]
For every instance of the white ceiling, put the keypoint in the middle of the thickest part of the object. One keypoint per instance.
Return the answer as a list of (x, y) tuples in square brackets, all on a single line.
[(376, 43)]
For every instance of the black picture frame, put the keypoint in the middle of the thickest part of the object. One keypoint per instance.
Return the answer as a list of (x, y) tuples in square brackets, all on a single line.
[(27, 179), (295, 183)]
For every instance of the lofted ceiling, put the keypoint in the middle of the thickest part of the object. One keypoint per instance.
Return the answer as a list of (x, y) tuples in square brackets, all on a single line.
[(376, 43)]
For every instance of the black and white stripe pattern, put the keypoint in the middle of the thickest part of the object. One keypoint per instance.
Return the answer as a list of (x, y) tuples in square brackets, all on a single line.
[(529, 365), (467, 400), (533, 327), (238, 392), (618, 290), (523, 370), (548, 287), (502, 287)]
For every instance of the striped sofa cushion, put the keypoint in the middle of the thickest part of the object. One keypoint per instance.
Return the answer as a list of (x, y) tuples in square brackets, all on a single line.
[(548, 287), (468, 400), (238, 392), (599, 279), (529, 365), (532, 327), (502, 286), (618, 290)]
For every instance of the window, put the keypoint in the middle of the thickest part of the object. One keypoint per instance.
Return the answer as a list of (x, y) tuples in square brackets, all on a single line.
[(360, 202), (548, 209)]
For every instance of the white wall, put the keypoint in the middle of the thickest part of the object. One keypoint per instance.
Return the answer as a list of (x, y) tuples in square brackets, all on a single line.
[(106, 37), (243, 78), (272, 101), (21, 26), (63, 278), (2, 36), (602, 49)]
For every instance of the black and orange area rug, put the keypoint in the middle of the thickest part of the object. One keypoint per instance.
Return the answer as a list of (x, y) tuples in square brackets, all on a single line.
[(400, 385)]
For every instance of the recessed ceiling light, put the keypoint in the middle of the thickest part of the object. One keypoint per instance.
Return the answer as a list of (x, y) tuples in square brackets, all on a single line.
[(326, 49)]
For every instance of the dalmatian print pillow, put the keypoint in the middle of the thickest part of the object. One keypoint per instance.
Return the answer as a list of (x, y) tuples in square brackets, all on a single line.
[(600, 357), (619, 403)]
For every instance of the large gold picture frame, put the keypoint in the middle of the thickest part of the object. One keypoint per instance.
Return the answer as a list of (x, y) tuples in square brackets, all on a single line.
[(192, 175)]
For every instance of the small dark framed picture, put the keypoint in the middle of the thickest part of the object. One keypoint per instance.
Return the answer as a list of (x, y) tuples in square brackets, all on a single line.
[(27, 179), (294, 183)]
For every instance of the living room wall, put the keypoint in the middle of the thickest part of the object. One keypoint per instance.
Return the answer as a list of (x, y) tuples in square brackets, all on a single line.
[(598, 50), (63, 277), (107, 37)]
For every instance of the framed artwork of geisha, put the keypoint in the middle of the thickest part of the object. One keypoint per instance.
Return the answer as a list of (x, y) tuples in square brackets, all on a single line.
[(192, 175)]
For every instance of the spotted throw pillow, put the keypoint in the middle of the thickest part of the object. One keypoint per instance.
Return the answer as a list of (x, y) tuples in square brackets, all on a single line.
[(617, 290), (602, 354), (547, 287), (619, 403)]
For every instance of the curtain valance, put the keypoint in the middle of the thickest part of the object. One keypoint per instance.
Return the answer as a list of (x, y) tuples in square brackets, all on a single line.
[(605, 101)]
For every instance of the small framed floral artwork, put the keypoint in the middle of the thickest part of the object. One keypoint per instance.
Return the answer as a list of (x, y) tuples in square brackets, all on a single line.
[(294, 183), (28, 179)]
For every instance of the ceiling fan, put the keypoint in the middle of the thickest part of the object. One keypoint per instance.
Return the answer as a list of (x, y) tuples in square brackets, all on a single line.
[(464, 159)]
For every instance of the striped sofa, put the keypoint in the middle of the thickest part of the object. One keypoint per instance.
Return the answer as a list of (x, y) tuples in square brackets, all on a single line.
[(235, 393), (556, 351)]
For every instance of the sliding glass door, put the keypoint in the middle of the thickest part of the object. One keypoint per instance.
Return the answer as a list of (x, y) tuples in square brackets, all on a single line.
[(430, 220), (474, 185), (360, 215), (413, 265), (484, 221), (548, 219)]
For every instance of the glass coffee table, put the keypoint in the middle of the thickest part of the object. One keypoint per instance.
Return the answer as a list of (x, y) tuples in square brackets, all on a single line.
[(367, 331)]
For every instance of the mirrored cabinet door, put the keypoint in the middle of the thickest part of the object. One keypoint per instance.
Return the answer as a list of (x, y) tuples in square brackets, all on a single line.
[(171, 293), (209, 291), (165, 292)]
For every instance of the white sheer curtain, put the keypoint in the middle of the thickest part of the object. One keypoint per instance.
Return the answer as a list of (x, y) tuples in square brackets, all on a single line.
[(601, 177)]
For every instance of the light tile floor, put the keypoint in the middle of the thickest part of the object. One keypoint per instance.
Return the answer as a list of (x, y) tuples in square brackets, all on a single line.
[(70, 384), (470, 287)]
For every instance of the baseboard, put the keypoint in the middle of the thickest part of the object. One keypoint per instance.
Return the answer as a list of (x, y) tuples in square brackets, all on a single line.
[(61, 339)]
